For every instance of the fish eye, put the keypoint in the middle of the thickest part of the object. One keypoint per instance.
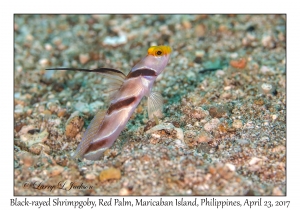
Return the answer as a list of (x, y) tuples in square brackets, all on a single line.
[(158, 52)]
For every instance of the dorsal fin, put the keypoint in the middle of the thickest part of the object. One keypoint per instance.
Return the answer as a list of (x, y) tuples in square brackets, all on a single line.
[(116, 77), (109, 72)]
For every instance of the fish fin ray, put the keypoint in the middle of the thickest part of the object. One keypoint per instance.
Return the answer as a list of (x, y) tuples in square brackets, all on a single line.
[(155, 105), (115, 78), (108, 72), (113, 88)]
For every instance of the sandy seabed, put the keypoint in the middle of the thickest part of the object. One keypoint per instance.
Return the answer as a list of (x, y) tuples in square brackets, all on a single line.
[(224, 126)]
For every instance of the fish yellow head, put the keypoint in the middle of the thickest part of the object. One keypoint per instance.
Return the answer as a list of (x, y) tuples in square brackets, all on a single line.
[(156, 59), (159, 50)]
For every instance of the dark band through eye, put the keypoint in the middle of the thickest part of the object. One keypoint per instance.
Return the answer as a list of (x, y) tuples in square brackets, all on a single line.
[(158, 52)]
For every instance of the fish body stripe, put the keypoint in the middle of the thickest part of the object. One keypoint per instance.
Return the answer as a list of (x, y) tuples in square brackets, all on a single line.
[(120, 104), (96, 145), (141, 72)]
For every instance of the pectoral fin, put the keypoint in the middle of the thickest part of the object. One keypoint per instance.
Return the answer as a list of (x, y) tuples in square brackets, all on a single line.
[(155, 105)]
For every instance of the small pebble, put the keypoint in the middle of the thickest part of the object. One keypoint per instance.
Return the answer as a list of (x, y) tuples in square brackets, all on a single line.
[(242, 141), (259, 102), (234, 55), (29, 38), (226, 95), (226, 172), (57, 41), (237, 124), (44, 62), (90, 176), (204, 147), (124, 191), (19, 68), (29, 112), (200, 30), (115, 41), (189, 192), (29, 139), (81, 106), (212, 124), (74, 125), (55, 170), (278, 149), (163, 126), (190, 138), (27, 159), (110, 173), (186, 24), (267, 41), (266, 69), (239, 64), (223, 28), (53, 105), (18, 126), (222, 146), (277, 191), (217, 111), (145, 158), (199, 113), (47, 113), (95, 106), (265, 139), (212, 170), (25, 129), (48, 47), (84, 58), (254, 168), (200, 53), (204, 137), (230, 166), (179, 133), (19, 109), (61, 112), (155, 135), (227, 88), (191, 75), (274, 117), (37, 148), (267, 88), (179, 143), (220, 73), (254, 160)]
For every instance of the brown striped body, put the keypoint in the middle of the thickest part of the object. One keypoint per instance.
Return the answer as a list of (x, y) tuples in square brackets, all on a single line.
[(118, 113), (103, 131)]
